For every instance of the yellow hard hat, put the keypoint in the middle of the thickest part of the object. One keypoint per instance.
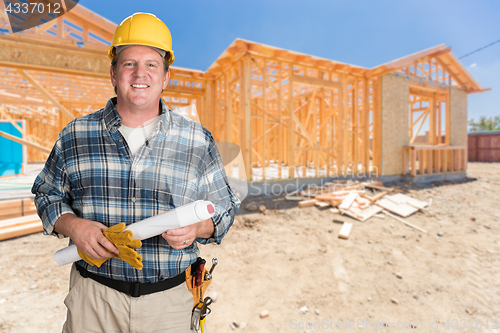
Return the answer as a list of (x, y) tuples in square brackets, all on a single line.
[(143, 29)]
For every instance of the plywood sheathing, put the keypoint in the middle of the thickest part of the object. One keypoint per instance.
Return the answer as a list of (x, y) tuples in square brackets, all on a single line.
[(395, 133), (29, 53), (459, 127), (458, 122)]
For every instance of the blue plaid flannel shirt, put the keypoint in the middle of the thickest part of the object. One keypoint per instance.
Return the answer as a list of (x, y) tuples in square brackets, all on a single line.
[(90, 173)]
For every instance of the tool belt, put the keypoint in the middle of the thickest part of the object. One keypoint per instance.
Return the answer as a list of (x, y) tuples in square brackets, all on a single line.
[(197, 280), (134, 289), (194, 273)]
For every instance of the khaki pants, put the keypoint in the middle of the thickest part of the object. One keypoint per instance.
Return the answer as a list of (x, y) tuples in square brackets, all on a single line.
[(93, 307)]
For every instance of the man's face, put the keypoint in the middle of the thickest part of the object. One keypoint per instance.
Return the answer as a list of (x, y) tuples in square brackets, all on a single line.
[(139, 78)]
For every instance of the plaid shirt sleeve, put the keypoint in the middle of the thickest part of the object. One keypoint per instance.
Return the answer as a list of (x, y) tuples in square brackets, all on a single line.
[(51, 188), (213, 186)]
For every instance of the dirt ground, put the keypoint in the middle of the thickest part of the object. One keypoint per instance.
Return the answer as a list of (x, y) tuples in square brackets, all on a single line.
[(385, 277)]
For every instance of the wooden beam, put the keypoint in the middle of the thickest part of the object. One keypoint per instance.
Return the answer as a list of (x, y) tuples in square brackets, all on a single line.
[(366, 121), (450, 72), (94, 20), (309, 109), (25, 142), (413, 123), (248, 112), (31, 52), (340, 125), (264, 106), (405, 61), (245, 114), (473, 84), (280, 128), (415, 134), (427, 85), (421, 92), (355, 125), (46, 94), (377, 125), (234, 81), (448, 120), (290, 109), (51, 69), (291, 157), (11, 120), (432, 120), (229, 110), (185, 90), (316, 82)]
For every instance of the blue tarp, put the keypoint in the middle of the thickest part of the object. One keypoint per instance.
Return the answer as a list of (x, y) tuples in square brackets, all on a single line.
[(11, 153)]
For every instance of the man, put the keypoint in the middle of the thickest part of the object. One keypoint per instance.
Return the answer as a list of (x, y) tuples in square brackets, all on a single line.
[(131, 160)]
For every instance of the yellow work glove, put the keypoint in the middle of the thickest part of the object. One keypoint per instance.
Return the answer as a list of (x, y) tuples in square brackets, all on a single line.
[(123, 242)]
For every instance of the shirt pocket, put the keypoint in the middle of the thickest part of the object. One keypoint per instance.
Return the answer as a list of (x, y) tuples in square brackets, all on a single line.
[(176, 183)]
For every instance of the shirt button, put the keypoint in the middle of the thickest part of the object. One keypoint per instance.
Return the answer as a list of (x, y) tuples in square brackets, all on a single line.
[(121, 140), (133, 199)]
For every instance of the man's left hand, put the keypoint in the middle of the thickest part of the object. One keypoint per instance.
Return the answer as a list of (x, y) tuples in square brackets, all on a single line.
[(181, 238)]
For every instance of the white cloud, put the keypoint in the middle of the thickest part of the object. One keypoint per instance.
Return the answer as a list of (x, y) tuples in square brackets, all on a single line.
[(473, 65)]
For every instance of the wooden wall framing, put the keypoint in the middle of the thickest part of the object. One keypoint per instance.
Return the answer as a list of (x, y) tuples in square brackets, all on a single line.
[(293, 115), (303, 120)]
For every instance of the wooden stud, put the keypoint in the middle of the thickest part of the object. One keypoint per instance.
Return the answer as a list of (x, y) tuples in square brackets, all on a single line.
[(413, 161), (340, 126), (430, 162), (432, 120), (280, 127), (366, 125), (291, 157), (264, 139)]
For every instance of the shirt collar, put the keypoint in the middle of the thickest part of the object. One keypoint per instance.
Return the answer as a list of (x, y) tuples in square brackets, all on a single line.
[(112, 118)]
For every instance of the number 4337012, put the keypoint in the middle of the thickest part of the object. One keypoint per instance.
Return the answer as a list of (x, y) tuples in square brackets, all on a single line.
[(33, 7)]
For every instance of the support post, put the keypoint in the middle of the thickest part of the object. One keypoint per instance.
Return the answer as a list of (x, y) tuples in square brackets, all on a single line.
[(280, 125), (264, 109), (291, 157)]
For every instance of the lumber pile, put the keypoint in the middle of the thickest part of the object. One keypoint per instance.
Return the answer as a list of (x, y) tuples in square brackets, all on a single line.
[(20, 226), (354, 199), (359, 200), (18, 218), (16, 208)]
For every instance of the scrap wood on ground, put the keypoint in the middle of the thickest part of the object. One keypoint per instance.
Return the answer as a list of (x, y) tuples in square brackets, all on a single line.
[(360, 201)]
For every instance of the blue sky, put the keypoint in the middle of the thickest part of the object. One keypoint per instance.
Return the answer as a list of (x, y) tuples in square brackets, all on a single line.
[(364, 33)]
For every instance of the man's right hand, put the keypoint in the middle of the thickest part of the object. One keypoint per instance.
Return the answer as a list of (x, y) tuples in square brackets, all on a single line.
[(87, 236)]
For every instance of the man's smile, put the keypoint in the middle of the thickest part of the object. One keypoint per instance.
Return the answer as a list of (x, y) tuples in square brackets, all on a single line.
[(141, 86)]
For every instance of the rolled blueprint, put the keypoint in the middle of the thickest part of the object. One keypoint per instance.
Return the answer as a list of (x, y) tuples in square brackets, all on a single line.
[(180, 217)]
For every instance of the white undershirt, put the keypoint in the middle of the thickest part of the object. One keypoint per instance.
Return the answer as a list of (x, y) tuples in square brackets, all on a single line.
[(136, 137)]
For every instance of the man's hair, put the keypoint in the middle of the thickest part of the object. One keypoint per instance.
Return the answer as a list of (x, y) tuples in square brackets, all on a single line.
[(114, 62)]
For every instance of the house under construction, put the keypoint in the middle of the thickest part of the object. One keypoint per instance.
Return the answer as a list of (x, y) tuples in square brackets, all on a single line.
[(293, 115)]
